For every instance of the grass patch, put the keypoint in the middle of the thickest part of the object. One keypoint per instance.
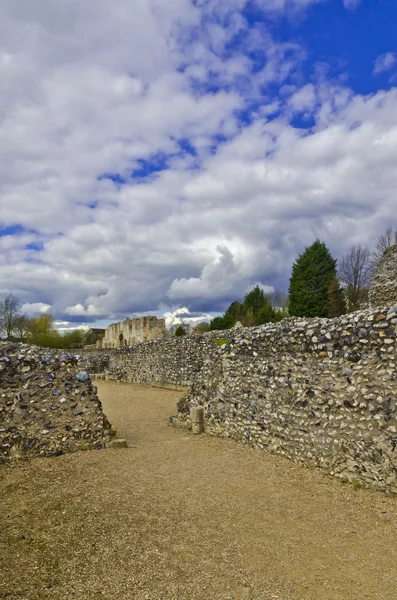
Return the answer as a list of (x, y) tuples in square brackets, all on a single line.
[(221, 342)]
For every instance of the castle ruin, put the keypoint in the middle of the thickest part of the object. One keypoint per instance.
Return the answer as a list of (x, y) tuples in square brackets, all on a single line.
[(133, 331)]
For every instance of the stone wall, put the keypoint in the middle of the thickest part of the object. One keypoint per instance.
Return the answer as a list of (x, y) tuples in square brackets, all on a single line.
[(133, 331), (173, 362), (321, 392), (383, 289), (48, 405), (95, 361)]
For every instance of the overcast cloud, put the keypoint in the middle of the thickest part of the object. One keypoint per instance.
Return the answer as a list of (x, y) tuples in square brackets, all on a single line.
[(158, 155)]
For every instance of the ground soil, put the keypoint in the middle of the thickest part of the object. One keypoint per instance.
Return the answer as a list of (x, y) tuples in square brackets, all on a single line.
[(182, 517)]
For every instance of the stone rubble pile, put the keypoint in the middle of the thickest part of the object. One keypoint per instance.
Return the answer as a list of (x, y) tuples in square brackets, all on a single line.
[(48, 405)]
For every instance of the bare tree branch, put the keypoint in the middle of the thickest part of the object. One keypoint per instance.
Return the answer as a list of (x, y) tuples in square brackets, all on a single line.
[(354, 273), (9, 310), (387, 239)]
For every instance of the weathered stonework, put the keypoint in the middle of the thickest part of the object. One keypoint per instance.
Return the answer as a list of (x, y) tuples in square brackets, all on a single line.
[(322, 392), (48, 405), (172, 362), (133, 331), (383, 289)]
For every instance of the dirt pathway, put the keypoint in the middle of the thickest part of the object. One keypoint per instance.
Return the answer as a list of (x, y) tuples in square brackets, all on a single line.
[(188, 518)]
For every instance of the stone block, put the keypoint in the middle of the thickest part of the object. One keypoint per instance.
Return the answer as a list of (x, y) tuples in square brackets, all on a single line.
[(117, 444), (197, 419)]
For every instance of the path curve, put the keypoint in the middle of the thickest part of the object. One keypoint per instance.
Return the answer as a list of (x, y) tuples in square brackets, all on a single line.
[(180, 517)]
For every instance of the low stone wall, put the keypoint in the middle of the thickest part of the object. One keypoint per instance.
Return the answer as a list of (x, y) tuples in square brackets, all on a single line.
[(321, 392), (48, 404), (95, 361), (171, 362)]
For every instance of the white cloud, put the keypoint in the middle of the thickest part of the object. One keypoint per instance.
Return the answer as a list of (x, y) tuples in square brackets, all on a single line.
[(86, 91), (183, 316), (384, 62), (79, 310), (35, 309), (218, 278)]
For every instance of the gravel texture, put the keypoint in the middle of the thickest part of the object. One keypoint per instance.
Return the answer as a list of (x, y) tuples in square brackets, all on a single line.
[(179, 517)]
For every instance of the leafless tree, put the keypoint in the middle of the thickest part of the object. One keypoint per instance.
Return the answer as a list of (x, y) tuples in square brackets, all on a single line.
[(21, 327), (9, 311), (278, 299), (354, 273), (386, 239)]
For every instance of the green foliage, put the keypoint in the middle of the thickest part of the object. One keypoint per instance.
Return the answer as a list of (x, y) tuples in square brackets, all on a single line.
[(40, 325), (42, 333), (234, 313), (255, 310), (310, 281), (255, 300), (219, 324), (74, 339), (221, 342), (281, 313), (180, 331), (336, 300), (47, 339), (266, 314)]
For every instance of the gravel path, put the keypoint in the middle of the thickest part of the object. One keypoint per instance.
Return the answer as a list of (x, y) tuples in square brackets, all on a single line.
[(180, 517)]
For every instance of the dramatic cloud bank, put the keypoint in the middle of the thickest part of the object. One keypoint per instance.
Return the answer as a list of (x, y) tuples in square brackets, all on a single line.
[(156, 155)]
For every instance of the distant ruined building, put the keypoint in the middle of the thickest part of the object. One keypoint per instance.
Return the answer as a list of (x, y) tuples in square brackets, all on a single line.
[(383, 289), (133, 331)]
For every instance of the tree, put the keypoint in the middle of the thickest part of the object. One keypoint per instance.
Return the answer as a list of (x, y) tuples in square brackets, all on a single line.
[(9, 311), (266, 314), (385, 240), (180, 331), (218, 324), (201, 328), (336, 299), (41, 324), (74, 339), (355, 275), (310, 280), (42, 333), (279, 300), (21, 328), (255, 300), (234, 313)]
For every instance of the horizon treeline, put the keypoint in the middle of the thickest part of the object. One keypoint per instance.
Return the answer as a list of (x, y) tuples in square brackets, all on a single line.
[(39, 331), (318, 287)]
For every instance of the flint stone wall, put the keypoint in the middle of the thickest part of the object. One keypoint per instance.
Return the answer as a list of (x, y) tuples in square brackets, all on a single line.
[(320, 392), (95, 361), (48, 405), (171, 362), (383, 288)]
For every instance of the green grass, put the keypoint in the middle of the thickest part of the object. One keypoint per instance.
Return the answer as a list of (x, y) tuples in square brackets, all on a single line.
[(221, 342)]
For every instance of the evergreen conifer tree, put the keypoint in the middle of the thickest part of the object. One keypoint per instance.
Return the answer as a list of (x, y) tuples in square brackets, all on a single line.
[(310, 281)]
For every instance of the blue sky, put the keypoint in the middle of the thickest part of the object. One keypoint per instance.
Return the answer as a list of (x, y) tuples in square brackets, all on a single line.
[(165, 157)]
